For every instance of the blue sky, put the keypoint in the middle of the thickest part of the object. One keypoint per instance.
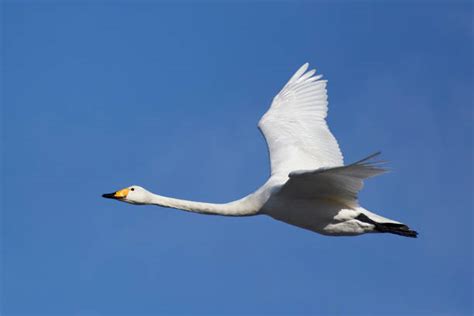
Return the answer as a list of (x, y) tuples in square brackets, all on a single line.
[(96, 97)]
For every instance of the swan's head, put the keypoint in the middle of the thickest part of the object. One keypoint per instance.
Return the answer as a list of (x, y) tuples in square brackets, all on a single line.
[(133, 194)]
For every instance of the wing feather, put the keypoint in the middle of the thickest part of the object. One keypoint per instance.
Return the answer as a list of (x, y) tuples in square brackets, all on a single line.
[(338, 183), (295, 128)]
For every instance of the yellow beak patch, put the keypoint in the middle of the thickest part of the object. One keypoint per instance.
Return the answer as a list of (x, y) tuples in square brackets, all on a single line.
[(122, 193)]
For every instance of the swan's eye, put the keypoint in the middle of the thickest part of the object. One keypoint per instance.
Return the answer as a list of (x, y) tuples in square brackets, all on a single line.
[(132, 189)]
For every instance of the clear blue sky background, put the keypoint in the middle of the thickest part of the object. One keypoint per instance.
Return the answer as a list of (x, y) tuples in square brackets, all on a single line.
[(97, 97)]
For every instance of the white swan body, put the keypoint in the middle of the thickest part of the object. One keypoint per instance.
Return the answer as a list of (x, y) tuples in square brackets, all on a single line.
[(309, 186)]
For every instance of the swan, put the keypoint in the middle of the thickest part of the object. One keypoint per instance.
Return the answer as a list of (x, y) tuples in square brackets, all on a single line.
[(309, 185)]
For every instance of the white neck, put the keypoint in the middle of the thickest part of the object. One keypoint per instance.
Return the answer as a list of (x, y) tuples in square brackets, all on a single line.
[(243, 207)]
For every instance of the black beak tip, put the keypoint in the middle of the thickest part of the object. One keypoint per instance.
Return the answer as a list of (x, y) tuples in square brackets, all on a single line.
[(108, 195)]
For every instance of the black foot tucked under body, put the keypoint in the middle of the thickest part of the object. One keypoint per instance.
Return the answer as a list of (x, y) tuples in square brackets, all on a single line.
[(392, 228)]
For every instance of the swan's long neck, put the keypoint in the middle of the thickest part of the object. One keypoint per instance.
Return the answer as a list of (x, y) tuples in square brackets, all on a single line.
[(243, 207)]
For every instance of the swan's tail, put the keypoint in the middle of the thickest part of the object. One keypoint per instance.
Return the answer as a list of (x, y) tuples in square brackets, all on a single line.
[(388, 227)]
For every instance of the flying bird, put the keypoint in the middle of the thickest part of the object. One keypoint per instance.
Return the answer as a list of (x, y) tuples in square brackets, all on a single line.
[(309, 186)]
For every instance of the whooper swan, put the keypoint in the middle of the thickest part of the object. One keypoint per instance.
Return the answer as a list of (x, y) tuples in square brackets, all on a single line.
[(309, 186)]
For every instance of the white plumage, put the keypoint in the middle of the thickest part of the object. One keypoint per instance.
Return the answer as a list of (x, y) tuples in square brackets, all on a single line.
[(295, 127), (309, 186)]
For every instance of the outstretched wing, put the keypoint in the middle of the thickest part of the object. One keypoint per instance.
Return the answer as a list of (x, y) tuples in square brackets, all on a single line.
[(338, 183), (295, 127)]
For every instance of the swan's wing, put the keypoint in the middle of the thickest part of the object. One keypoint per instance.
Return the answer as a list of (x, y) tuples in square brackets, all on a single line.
[(338, 183), (295, 127)]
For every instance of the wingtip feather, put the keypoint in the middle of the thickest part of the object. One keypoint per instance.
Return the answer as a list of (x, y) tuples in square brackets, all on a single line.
[(298, 73)]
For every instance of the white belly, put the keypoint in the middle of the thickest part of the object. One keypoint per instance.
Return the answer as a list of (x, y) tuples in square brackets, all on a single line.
[(321, 216)]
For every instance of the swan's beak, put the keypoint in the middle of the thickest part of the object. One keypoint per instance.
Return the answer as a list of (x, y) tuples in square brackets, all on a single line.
[(117, 195)]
